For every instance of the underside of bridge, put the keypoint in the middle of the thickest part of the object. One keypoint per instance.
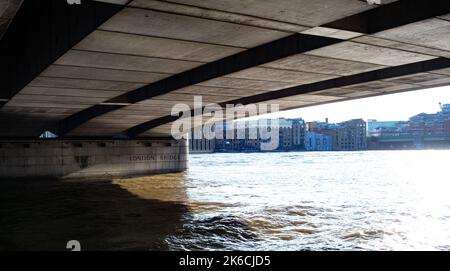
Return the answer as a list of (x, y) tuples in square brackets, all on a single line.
[(105, 68)]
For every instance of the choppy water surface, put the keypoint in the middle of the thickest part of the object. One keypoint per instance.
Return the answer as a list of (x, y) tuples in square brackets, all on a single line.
[(390, 200), (387, 200)]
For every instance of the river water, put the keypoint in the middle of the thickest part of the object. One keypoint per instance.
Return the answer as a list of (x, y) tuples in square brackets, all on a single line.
[(387, 200), (374, 200)]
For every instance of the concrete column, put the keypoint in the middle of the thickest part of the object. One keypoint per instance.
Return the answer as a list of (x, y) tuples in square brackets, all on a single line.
[(91, 158)]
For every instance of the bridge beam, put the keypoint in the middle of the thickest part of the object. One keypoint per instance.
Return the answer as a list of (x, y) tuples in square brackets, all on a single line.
[(374, 20), (386, 73), (288, 46), (391, 16), (40, 33)]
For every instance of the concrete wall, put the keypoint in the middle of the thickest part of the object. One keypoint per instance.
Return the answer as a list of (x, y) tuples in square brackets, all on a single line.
[(91, 158)]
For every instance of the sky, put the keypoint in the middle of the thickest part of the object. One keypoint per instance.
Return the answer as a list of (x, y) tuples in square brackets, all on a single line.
[(398, 106)]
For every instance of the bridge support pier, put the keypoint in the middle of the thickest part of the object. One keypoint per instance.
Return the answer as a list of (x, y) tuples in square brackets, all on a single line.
[(91, 158)]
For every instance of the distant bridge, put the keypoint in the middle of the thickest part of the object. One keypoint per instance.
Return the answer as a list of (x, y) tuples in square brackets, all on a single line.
[(410, 142)]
